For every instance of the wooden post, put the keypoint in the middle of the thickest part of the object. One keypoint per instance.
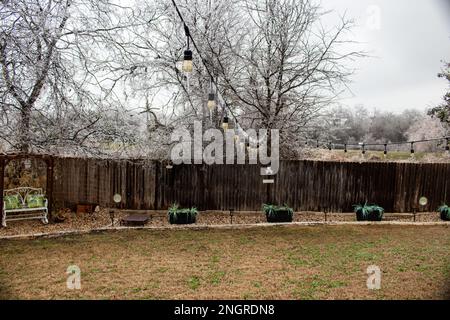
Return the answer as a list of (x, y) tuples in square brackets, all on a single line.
[(50, 163), (268, 194), (2, 183), (156, 167)]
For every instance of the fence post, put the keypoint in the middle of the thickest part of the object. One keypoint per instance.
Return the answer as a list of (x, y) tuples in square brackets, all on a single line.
[(156, 185), (2, 183), (50, 164)]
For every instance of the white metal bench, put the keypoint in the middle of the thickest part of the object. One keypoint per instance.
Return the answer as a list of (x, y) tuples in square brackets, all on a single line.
[(24, 212)]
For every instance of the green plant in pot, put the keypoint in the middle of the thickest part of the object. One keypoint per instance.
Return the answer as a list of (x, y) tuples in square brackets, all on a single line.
[(179, 215), (368, 212), (278, 214), (376, 213), (444, 211), (362, 212)]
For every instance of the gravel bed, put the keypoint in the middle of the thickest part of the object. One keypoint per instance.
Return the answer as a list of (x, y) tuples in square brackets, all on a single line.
[(74, 221), (102, 219)]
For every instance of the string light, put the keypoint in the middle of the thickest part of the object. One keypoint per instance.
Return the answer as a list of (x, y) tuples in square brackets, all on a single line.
[(211, 97), (187, 62), (188, 67), (225, 123), (201, 59), (412, 149), (211, 101), (247, 146), (329, 145)]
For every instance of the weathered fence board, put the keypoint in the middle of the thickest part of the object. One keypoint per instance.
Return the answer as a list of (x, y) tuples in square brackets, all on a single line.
[(304, 185)]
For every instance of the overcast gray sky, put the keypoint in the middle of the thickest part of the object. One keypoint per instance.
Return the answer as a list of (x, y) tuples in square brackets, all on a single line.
[(407, 39)]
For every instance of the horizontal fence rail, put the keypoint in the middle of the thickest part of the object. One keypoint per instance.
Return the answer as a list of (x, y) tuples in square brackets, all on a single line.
[(303, 185)]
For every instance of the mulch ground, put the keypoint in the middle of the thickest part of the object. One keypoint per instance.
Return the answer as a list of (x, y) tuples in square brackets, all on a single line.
[(101, 219)]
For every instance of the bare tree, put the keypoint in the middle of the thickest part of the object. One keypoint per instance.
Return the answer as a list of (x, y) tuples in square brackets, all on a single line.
[(185, 95), (289, 66), (275, 64), (72, 69), (63, 64), (427, 127)]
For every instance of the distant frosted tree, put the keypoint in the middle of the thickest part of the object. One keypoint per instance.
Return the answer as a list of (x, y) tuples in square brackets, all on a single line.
[(425, 128), (442, 112)]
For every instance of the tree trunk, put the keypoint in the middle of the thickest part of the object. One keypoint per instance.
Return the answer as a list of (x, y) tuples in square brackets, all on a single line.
[(24, 134)]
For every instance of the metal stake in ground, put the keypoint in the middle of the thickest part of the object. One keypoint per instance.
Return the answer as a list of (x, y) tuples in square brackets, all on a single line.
[(423, 201), (117, 198), (111, 216)]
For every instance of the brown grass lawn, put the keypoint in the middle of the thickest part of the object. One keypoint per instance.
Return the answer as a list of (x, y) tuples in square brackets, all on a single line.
[(295, 262)]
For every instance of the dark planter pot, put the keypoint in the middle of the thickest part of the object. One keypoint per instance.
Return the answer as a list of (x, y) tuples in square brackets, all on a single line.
[(280, 216), (445, 214), (360, 215), (183, 218), (376, 215)]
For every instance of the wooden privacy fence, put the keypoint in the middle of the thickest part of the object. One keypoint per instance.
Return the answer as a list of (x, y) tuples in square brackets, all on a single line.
[(304, 185)]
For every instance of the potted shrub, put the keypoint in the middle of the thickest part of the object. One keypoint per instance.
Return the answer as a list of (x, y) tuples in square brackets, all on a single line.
[(277, 214), (376, 213), (444, 210), (362, 212), (368, 212), (178, 215)]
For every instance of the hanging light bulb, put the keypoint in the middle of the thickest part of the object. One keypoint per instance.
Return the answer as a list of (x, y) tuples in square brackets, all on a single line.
[(317, 144), (385, 150), (345, 148), (447, 146), (187, 61), (225, 122), (412, 149), (211, 101), (211, 96)]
